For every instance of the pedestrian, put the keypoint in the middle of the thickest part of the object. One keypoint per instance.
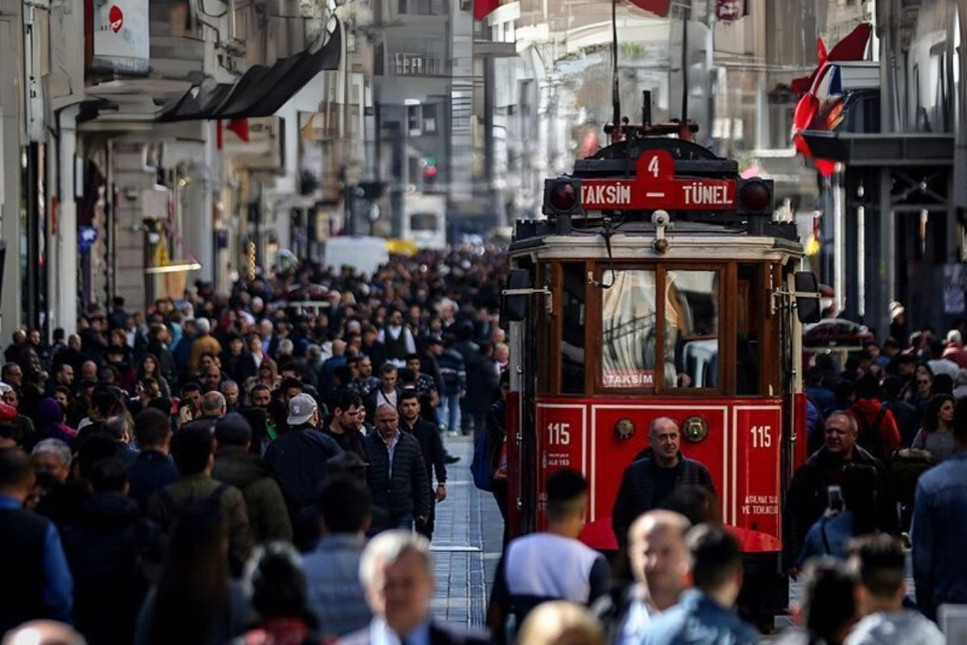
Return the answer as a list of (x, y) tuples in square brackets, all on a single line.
[(453, 373), (44, 632), (388, 392), (236, 465), (194, 453), (298, 457), (650, 479), (36, 581), (342, 426), (878, 432), (880, 566), (396, 560), (336, 595), (827, 608), (706, 614), (939, 523), (809, 492), (659, 566), (434, 456), (153, 469), (936, 433), (551, 564), (832, 532), (396, 473), (561, 623), (195, 602), (276, 586), (108, 548)]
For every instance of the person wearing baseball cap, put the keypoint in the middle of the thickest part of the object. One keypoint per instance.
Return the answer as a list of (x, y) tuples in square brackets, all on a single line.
[(298, 457)]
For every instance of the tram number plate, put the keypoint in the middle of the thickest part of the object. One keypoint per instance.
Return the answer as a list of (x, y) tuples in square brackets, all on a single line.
[(761, 436), (558, 434)]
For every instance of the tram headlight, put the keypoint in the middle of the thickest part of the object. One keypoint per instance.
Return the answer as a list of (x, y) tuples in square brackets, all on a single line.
[(562, 196), (694, 429), (755, 195), (624, 429)]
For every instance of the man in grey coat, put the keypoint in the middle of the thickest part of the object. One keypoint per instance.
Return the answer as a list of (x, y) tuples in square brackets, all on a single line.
[(336, 595)]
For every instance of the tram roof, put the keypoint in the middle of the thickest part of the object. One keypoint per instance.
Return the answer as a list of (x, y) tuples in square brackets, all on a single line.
[(701, 246)]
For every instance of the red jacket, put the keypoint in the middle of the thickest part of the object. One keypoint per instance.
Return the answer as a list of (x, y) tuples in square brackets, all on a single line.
[(865, 411)]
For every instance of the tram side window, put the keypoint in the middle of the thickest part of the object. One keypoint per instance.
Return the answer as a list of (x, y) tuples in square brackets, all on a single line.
[(749, 312), (628, 330), (572, 330), (692, 327)]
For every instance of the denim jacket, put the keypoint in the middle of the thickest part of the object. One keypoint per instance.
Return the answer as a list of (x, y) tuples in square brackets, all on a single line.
[(697, 619), (939, 527)]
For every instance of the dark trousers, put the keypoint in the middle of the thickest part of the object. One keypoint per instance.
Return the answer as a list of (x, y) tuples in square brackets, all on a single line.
[(500, 495), (426, 530)]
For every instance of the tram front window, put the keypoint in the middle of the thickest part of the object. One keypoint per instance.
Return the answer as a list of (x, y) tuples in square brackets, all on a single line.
[(628, 331), (572, 333), (691, 326)]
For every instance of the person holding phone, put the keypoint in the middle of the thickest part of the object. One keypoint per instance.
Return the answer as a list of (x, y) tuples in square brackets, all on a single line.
[(808, 498), (849, 514)]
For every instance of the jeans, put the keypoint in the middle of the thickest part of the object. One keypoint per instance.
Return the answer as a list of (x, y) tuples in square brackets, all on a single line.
[(450, 411), (404, 521)]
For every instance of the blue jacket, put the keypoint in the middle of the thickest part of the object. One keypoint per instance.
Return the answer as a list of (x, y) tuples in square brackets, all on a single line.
[(839, 531), (336, 596), (57, 585), (697, 619), (939, 527)]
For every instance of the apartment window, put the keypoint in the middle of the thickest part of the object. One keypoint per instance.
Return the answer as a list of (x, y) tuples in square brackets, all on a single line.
[(413, 120), (378, 63), (429, 118)]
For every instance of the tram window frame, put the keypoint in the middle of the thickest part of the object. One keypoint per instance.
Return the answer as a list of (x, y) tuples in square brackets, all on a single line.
[(546, 330), (602, 274), (755, 276), (725, 317), (571, 273)]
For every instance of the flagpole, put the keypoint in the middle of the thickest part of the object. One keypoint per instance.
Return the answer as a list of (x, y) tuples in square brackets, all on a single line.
[(615, 96)]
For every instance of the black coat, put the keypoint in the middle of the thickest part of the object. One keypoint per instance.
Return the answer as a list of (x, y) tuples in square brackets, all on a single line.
[(637, 492), (298, 462), (408, 490), (808, 497), (105, 549), (151, 471), (431, 445)]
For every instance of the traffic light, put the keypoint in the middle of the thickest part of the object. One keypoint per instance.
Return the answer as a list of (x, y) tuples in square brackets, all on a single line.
[(430, 171)]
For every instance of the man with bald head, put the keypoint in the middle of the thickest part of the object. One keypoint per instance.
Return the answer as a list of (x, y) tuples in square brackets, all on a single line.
[(397, 474), (652, 478), (658, 558)]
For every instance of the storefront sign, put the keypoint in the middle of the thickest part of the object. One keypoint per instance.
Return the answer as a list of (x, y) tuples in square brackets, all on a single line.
[(121, 36)]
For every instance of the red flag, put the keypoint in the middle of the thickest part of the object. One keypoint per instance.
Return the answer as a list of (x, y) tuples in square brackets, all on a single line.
[(658, 7), (483, 8), (851, 47), (240, 128)]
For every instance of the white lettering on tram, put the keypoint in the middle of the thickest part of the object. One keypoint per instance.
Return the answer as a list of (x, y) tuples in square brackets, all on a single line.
[(699, 194), (606, 194)]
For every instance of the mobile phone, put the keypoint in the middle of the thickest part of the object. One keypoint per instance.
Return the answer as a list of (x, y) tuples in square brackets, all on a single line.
[(835, 498)]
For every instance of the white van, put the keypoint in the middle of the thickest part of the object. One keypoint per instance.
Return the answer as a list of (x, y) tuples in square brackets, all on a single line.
[(363, 253)]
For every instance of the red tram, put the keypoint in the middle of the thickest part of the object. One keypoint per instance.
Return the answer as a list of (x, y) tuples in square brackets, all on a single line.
[(659, 285)]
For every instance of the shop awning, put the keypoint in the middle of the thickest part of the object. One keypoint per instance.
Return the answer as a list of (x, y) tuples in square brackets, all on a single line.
[(261, 91)]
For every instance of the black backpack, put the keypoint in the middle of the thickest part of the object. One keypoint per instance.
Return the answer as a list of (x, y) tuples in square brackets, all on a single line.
[(173, 507), (869, 436)]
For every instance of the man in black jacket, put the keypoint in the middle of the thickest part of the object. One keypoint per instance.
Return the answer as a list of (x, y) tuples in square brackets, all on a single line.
[(397, 474), (153, 469), (808, 496), (342, 428), (434, 457), (298, 458), (648, 481)]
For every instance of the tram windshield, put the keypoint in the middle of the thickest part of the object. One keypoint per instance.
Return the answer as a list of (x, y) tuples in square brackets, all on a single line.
[(690, 350)]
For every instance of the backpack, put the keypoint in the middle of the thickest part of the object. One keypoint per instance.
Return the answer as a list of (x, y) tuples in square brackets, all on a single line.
[(869, 436), (480, 466), (173, 507)]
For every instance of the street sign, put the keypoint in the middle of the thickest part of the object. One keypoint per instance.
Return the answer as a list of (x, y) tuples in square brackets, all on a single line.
[(655, 186)]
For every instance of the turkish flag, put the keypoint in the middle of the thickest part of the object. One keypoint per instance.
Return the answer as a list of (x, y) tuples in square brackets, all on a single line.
[(240, 128), (657, 7), (482, 8)]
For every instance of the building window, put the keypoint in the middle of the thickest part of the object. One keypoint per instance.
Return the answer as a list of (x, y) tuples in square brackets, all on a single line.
[(429, 118), (401, 7), (413, 120), (378, 63)]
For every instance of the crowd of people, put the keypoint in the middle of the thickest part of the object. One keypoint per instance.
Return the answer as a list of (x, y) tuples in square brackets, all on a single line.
[(212, 468), (245, 468)]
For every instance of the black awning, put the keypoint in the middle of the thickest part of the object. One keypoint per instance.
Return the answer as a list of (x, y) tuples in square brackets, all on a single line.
[(261, 91)]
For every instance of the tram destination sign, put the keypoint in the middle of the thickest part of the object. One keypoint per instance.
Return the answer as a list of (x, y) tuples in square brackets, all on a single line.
[(655, 186)]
